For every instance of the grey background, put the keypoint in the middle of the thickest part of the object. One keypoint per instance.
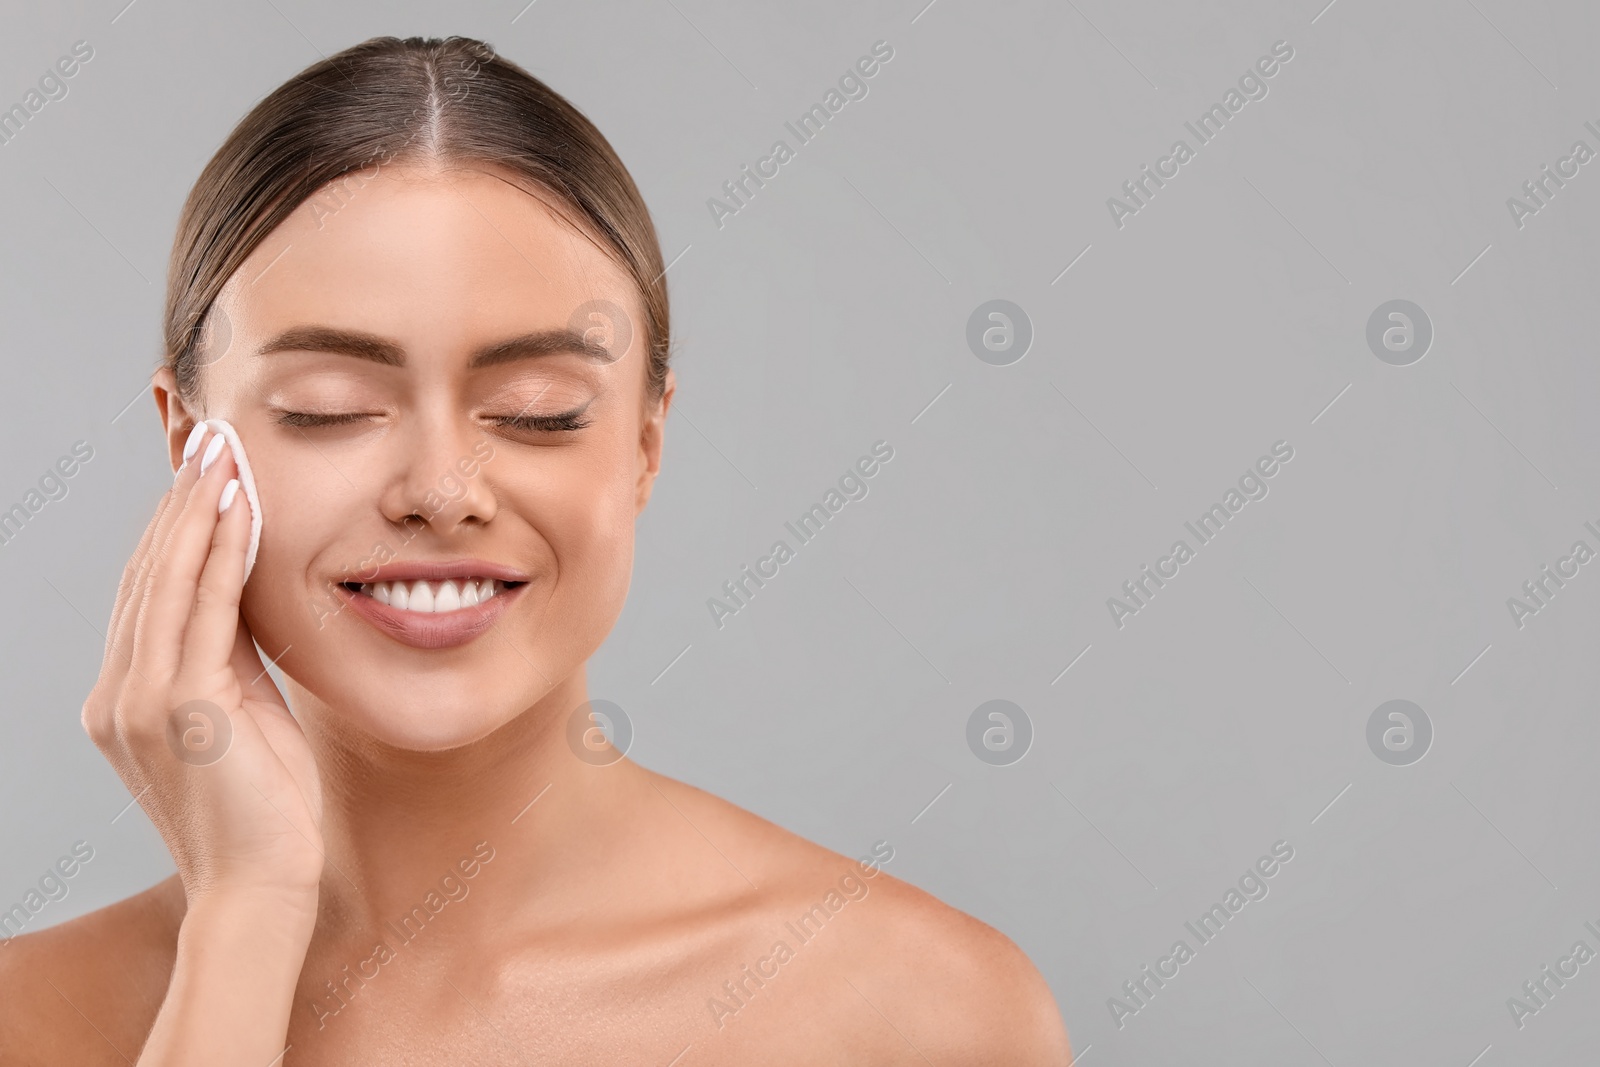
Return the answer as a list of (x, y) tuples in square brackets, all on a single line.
[(828, 313)]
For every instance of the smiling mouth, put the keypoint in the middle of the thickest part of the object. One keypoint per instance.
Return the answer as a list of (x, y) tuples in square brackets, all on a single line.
[(433, 597)]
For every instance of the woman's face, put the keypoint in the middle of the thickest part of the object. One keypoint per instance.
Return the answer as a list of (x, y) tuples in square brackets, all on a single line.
[(370, 369)]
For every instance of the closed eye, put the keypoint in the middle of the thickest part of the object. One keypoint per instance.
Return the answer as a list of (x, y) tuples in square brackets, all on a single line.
[(564, 422), (312, 418)]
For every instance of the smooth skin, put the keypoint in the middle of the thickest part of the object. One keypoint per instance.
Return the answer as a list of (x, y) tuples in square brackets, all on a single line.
[(606, 904)]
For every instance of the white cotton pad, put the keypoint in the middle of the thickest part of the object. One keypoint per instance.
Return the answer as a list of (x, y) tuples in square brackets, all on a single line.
[(247, 483)]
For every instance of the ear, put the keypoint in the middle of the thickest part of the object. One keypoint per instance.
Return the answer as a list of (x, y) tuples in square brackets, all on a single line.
[(176, 420), (650, 439)]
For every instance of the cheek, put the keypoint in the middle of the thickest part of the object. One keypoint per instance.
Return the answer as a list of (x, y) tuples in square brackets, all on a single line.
[(303, 506), (586, 516)]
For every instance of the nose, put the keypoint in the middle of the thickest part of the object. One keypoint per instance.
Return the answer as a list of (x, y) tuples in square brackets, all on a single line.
[(437, 475)]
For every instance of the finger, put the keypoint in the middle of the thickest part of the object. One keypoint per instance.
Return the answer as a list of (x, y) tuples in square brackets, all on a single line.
[(210, 636), (132, 602), (156, 533), (119, 633), (179, 553), (174, 573)]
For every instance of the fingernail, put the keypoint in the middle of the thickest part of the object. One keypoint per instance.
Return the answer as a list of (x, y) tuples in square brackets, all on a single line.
[(189, 446), (213, 450), (229, 491)]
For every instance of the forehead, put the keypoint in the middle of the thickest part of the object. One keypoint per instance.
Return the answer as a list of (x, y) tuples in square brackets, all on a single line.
[(431, 257)]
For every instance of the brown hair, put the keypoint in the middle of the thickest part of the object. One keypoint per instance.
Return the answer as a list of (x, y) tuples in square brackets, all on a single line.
[(421, 99)]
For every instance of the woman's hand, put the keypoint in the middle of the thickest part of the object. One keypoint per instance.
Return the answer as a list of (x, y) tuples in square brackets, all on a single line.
[(186, 713)]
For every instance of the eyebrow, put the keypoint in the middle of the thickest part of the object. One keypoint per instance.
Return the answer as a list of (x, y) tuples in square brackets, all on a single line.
[(382, 350)]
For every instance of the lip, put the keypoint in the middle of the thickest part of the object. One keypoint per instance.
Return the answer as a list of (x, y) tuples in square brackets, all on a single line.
[(449, 629)]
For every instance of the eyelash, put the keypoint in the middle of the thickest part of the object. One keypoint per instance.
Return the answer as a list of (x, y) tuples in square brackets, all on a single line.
[(564, 422), (306, 418)]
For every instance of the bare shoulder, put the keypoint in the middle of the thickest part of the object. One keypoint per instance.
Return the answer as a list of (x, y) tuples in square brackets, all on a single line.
[(87, 990), (902, 964), (962, 983)]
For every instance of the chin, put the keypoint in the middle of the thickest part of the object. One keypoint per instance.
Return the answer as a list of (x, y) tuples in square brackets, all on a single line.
[(408, 711), (397, 720)]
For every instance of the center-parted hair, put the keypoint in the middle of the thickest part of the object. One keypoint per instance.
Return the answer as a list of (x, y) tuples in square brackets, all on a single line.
[(449, 102)]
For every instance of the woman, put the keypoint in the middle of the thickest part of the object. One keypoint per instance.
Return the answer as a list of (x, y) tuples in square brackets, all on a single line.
[(429, 298)]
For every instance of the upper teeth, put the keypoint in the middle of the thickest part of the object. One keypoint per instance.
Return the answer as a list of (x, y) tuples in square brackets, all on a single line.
[(432, 597)]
